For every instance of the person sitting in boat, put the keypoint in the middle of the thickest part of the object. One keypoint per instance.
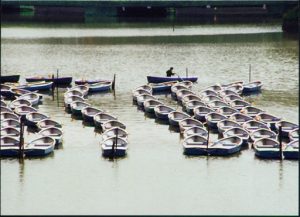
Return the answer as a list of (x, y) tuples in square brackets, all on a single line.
[(170, 73)]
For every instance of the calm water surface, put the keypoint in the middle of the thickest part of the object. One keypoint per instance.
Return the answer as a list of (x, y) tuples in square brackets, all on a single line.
[(155, 177)]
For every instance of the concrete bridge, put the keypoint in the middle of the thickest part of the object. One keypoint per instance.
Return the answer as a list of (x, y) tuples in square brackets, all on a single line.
[(152, 8)]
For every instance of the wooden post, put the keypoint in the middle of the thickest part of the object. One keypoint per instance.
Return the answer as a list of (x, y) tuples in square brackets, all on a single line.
[(207, 139), (57, 89), (186, 72), (114, 82), (249, 73), (280, 141), (21, 143), (53, 87)]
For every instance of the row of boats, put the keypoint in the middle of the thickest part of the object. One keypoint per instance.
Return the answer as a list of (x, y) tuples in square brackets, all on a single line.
[(221, 109), (114, 135), (22, 108)]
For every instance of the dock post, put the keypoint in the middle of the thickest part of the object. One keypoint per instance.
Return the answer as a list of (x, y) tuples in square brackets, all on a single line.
[(186, 72), (207, 140), (249, 73), (21, 143), (53, 87), (57, 89), (114, 82), (280, 141)]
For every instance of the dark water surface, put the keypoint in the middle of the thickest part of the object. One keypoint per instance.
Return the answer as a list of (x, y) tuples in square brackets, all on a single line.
[(155, 177)]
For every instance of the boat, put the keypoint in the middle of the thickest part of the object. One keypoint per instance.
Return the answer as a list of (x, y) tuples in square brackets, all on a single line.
[(6, 91), (114, 146), (216, 88), (65, 80), (287, 127), (23, 110), (239, 104), (39, 147), (226, 146), (100, 87), (10, 123), (8, 115), (190, 105), (226, 110), (216, 104), (240, 118), (10, 146), (77, 106), (225, 93), (252, 87), (195, 145), (9, 78), (10, 131), (268, 119), (145, 87), (210, 98), (237, 131), (176, 88), (158, 79), (47, 123), (89, 112), (206, 93), (213, 118), (115, 131), (6, 109), (88, 81), (252, 125), (112, 123), (102, 117), (176, 116), (84, 89), (231, 97), (70, 93), (52, 132), (188, 98), (294, 134), (181, 93), (19, 102), (150, 104), (263, 133), (232, 84), (186, 83), (201, 111), (19, 92), (238, 88), (138, 92), (142, 98), (291, 150), (42, 85), (33, 98), (251, 111), (225, 124), (33, 118), (187, 123), (68, 100), (162, 111), (56, 80), (195, 130), (266, 148), (162, 87)]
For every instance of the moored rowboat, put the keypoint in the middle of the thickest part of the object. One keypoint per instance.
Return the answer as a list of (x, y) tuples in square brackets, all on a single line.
[(158, 79), (41, 146)]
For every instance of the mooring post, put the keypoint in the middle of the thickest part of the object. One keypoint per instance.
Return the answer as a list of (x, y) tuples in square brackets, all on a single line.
[(280, 141), (116, 141), (207, 139), (57, 89), (53, 87), (186, 72), (114, 82), (249, 73), (21, 142)]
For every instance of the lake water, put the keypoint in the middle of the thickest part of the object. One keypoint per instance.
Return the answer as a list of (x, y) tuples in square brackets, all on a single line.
[(155, 177)]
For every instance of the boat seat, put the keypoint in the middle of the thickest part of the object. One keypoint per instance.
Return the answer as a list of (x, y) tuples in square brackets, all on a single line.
[(10, 144), (266, 146)]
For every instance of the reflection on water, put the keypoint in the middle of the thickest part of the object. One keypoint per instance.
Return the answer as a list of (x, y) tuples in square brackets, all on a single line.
[(155, 174)]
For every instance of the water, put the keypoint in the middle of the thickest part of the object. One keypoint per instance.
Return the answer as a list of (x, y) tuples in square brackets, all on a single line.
[(155, 177)]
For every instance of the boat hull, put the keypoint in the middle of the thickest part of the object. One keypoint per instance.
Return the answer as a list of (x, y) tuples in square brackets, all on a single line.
[(117, 153), (35, 152), (38, 87), (269, 154), (11, 152), (9, 78), (155, 79), (223, 151), (99, 89), (291, 155), (195, 151)]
